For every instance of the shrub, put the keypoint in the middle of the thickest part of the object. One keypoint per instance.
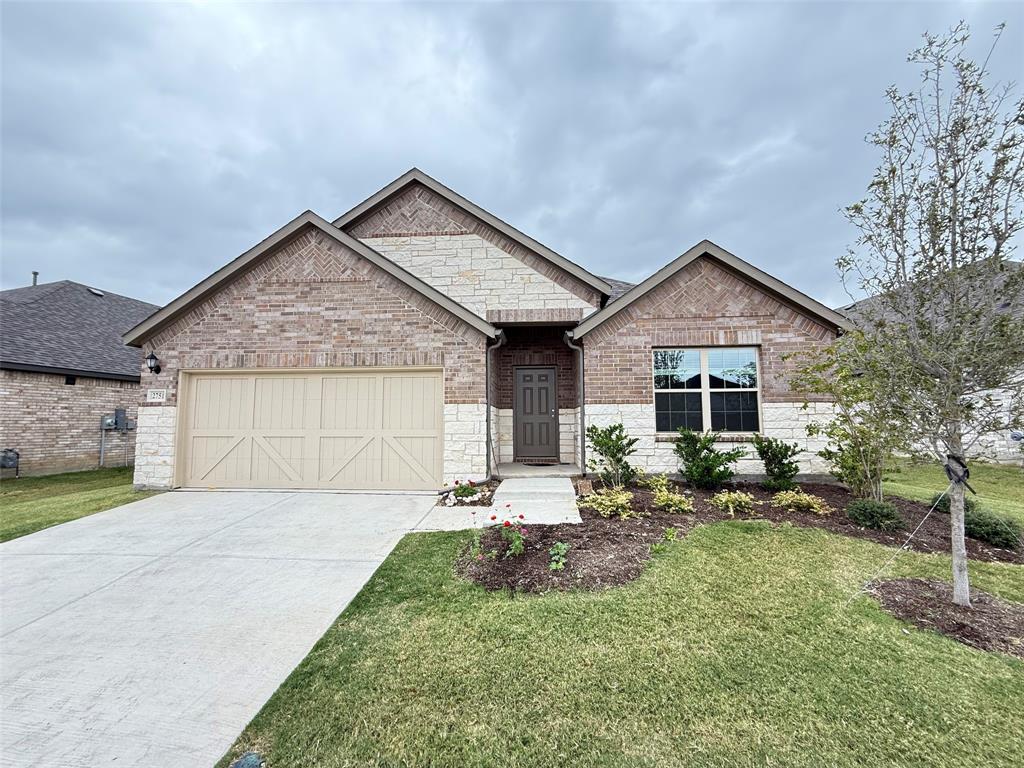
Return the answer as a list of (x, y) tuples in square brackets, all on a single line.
[(465, 490), (609, 502), (656, 482), (997, 530), (558, 553), (673, 503), (701, 463), (613, 448), (880, 515), (941, 503), (798, 501), (777, 457), (731, 502)]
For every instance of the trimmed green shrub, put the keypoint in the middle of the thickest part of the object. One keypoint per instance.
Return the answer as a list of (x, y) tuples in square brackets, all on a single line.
[(702, 465), (613, 448), (777, 457), (731, 502), (997, 530), (798, 501), (880, 515), (943, 504), (610, 502), (673, 503)]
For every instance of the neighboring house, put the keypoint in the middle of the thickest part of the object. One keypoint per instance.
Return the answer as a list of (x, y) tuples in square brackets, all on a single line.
[(63, 366), (418, 339), (999, 447)]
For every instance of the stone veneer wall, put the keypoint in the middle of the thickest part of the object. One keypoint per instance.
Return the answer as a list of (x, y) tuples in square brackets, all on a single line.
[(56, 426), (568, 431), (315, 304), (478, 275), (704, 305)]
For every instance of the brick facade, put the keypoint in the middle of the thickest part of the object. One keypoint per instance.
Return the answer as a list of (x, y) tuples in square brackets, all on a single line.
[(535, 346), (56, 426), (703, 305), (316, 304)]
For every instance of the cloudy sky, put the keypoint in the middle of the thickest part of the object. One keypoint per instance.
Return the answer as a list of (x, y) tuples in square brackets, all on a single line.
[(146, 144)]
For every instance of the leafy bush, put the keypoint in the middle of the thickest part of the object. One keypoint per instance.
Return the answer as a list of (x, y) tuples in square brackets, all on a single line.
[(942, 504), (558, 553), (798, 501), (777, 457), (701, 463), (613, 448), (997, 530), (673, 503), (731, 502), (609, 502), (465, 490), (880, 515), (655, 482)]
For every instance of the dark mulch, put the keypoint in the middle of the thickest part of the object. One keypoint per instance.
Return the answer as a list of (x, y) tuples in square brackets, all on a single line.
[(487, 492), (605, 553), (990, 624), (934, 535), (602, 553)]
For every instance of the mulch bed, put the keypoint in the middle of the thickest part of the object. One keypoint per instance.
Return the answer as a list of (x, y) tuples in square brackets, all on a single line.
[(486, 495), (606, 553), (990, 624)]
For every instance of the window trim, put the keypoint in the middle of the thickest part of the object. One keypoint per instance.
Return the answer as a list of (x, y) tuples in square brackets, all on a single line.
[(705, 387)]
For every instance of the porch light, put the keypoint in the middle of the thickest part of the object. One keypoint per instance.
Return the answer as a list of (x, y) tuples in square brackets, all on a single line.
[(152, 363)]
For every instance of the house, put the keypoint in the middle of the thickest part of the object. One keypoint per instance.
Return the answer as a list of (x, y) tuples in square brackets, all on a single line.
[(63, 367), (418, 339)]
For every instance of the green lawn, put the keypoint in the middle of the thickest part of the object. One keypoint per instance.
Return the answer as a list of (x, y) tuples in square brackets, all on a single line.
[(734, 648), (1000, 487), (30, 504)]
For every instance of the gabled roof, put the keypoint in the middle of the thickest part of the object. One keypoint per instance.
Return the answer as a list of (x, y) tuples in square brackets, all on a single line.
[(619, 288), (415, 175), (707, 248), (70, 328), (197, 293)]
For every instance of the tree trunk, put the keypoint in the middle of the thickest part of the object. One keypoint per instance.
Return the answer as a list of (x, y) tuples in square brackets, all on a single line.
[(961, 584)]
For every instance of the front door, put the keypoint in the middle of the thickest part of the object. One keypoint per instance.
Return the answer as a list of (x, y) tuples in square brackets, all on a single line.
[(535, 416)]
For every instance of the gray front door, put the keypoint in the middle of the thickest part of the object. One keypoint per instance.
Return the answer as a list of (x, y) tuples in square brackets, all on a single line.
[(535, 417)]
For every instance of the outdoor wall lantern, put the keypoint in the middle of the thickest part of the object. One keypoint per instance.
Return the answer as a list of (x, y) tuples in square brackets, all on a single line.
[(152, 363)]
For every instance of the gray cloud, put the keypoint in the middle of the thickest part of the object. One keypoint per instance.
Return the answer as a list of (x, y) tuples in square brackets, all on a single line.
[(145, 145)]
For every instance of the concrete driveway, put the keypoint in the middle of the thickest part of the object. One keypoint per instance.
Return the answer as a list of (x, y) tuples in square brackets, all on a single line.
[(152, 633)]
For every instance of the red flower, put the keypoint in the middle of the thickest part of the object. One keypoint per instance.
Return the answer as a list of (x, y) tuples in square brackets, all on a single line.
[(494, 517), (521, 517), (456, 482), (508, 506), (472, 484), (506, 523)]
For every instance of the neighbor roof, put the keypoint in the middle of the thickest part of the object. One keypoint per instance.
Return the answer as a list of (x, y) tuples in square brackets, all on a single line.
[(708, 248), (619, 288), (135, 336), (70, 328), (415, 175)]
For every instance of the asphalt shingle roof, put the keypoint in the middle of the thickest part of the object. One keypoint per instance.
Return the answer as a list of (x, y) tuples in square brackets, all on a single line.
[(619, 287), (66, 326)]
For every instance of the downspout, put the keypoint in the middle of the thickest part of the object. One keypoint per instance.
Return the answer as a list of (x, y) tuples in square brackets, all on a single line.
[(583, 412), (499, 340)]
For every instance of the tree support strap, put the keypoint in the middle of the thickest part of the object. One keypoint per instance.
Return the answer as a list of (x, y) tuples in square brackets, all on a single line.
[(957, 471)]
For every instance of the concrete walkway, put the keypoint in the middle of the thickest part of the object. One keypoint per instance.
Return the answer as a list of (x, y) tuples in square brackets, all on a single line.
[(541, 500), (152, 633)]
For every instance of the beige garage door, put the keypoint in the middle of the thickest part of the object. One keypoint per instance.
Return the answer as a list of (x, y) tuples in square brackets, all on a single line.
[(355, 430)]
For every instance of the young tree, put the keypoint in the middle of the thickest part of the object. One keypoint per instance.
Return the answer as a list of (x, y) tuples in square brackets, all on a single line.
[(937, 228)]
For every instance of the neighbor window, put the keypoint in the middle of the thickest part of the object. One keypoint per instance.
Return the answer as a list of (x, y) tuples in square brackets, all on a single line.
[(701, 389)]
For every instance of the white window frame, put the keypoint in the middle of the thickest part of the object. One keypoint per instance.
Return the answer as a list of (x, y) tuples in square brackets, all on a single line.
[(705, 385)]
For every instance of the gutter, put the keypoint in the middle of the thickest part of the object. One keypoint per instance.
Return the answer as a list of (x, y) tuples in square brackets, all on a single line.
[(568, 338), (499, 340)]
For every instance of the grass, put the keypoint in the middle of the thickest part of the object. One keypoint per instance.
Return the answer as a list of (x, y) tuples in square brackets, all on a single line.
[(30, 504), (1000, 487), (736, 647)]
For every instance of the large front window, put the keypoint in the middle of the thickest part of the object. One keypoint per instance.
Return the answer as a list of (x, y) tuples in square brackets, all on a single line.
[(714, 388)]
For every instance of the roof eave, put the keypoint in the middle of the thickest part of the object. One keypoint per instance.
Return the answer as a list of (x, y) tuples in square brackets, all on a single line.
[(416, 175), (708, 248), (160, 319)]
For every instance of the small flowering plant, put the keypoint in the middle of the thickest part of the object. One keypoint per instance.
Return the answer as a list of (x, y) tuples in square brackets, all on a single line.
[(514, 533)]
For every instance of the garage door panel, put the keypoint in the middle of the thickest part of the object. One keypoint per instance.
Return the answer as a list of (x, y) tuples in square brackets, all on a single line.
[(358, 430)]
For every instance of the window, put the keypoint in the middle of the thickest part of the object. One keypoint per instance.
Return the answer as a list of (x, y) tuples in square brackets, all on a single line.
[(70, 380), (701, 389)]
